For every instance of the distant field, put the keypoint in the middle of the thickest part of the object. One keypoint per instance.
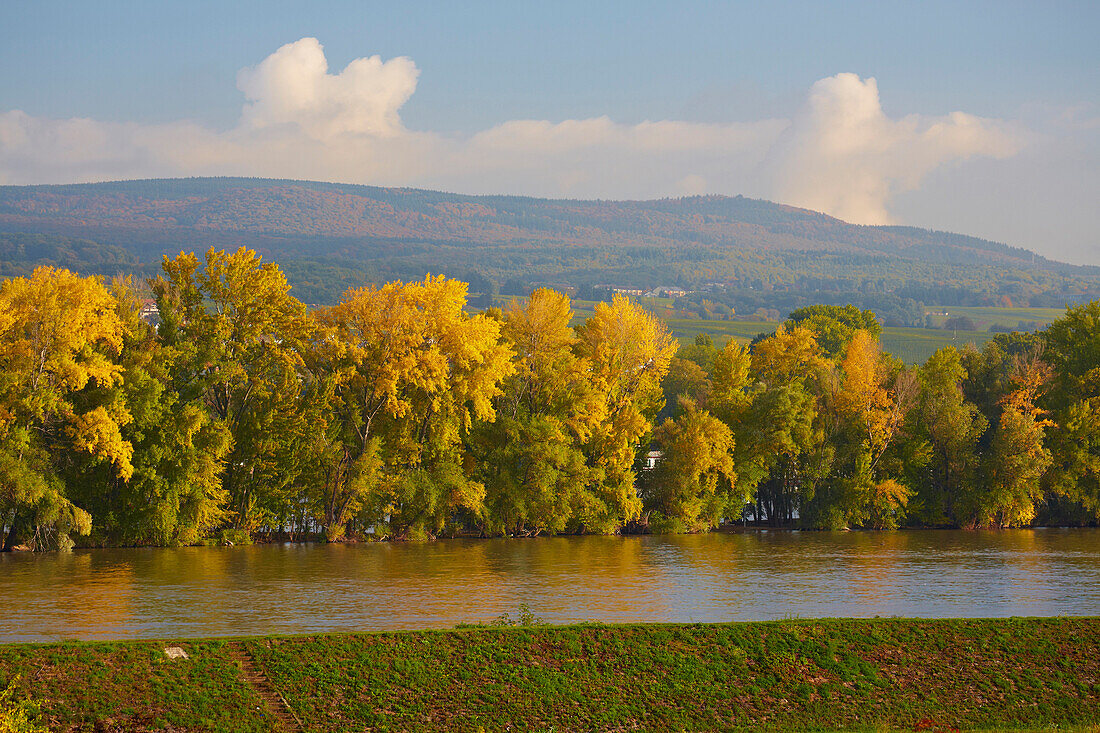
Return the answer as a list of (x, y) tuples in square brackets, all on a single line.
[(687, 329), (985, 317), (915, 345), (911, 345)]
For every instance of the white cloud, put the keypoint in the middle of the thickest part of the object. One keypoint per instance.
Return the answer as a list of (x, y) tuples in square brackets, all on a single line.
[(293, 87), (841, 154), (599, 158), (844, 156)]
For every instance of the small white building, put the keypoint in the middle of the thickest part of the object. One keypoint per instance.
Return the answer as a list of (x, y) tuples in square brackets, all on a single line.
[(149, 312)]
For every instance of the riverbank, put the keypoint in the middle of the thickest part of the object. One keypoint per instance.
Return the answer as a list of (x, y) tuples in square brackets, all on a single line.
[(834, 674), (303, 538)]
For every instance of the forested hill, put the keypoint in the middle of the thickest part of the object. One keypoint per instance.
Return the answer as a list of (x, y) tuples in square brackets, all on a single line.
[(329, 235)]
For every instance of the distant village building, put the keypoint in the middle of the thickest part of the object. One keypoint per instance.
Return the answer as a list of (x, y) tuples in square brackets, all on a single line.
[(661, 291), (651, 459), (149, 312)]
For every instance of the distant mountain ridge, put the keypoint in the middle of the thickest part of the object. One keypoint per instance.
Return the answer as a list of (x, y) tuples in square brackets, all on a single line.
[(400, 232)]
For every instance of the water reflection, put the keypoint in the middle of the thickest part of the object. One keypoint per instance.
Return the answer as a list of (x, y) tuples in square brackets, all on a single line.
[(716, 577)]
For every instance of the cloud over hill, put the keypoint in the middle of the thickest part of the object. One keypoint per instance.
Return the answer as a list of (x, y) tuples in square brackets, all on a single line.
[(840, 153)]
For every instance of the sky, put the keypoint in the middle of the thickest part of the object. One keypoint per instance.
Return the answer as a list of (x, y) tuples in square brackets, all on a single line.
[(976, 117)]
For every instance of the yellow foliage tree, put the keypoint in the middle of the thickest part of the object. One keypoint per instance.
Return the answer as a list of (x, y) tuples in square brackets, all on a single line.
[(236, 325), (628, 352), (791, 354), (59, 333), (691, 484), (412, 371)]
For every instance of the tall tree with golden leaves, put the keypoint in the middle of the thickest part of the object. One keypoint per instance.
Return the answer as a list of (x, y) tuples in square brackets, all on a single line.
[(412, 372), (628, 352), (240, 332), (692, 486), (531, 457), (59, 334)]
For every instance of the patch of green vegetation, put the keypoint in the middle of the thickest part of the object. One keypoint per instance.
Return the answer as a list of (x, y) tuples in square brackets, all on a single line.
[(829, 674), (133, 686), (18, 715), (804, 675)]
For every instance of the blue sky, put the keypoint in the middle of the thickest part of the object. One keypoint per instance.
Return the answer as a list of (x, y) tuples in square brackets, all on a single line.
[(738, 97)]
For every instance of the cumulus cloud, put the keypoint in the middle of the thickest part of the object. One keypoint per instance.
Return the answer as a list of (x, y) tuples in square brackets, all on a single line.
[(293, 87), (840, 154), (844, 156)]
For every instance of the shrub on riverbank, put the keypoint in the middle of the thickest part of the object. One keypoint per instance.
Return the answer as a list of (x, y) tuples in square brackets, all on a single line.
[(805, 675)]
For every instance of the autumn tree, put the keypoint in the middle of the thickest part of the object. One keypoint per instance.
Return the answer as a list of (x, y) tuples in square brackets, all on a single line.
[(737, 398), (531, 457), (238, 335), (628, 352), (782, 436), (411, 372), (59, 336), (863, 406), (174, 496), (693, 485), (1006, 380)]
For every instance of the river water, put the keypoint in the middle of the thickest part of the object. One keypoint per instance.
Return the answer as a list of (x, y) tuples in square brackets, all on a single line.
[(303, 588)]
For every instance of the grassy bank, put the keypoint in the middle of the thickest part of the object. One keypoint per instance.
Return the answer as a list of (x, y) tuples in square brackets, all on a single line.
[(808, 675)]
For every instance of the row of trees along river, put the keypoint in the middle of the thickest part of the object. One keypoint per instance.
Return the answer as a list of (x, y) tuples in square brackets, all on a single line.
[(399, 414)]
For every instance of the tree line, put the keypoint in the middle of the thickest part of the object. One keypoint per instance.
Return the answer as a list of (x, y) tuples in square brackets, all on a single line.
[(398, 414)]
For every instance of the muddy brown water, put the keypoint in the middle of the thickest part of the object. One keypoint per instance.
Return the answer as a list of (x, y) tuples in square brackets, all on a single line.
[(305, 588)]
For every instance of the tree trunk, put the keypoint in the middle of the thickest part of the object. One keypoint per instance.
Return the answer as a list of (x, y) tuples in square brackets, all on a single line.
[(13, 534)]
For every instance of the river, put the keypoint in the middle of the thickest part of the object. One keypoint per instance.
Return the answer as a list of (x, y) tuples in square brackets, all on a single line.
[(303, 588)]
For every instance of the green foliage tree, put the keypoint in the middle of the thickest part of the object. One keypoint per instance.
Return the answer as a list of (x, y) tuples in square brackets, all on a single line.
[(1073, 351), (833, 326), (531, 457), (700, 351), (174, 495), (239, 336), (952, 426), (684, 379)]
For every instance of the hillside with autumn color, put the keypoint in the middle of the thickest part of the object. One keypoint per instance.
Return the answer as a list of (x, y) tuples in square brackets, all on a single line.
[(329, 235)]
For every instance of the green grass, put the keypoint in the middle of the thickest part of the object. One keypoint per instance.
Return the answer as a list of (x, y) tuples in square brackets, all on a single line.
[(133, 686), (877, 674)]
